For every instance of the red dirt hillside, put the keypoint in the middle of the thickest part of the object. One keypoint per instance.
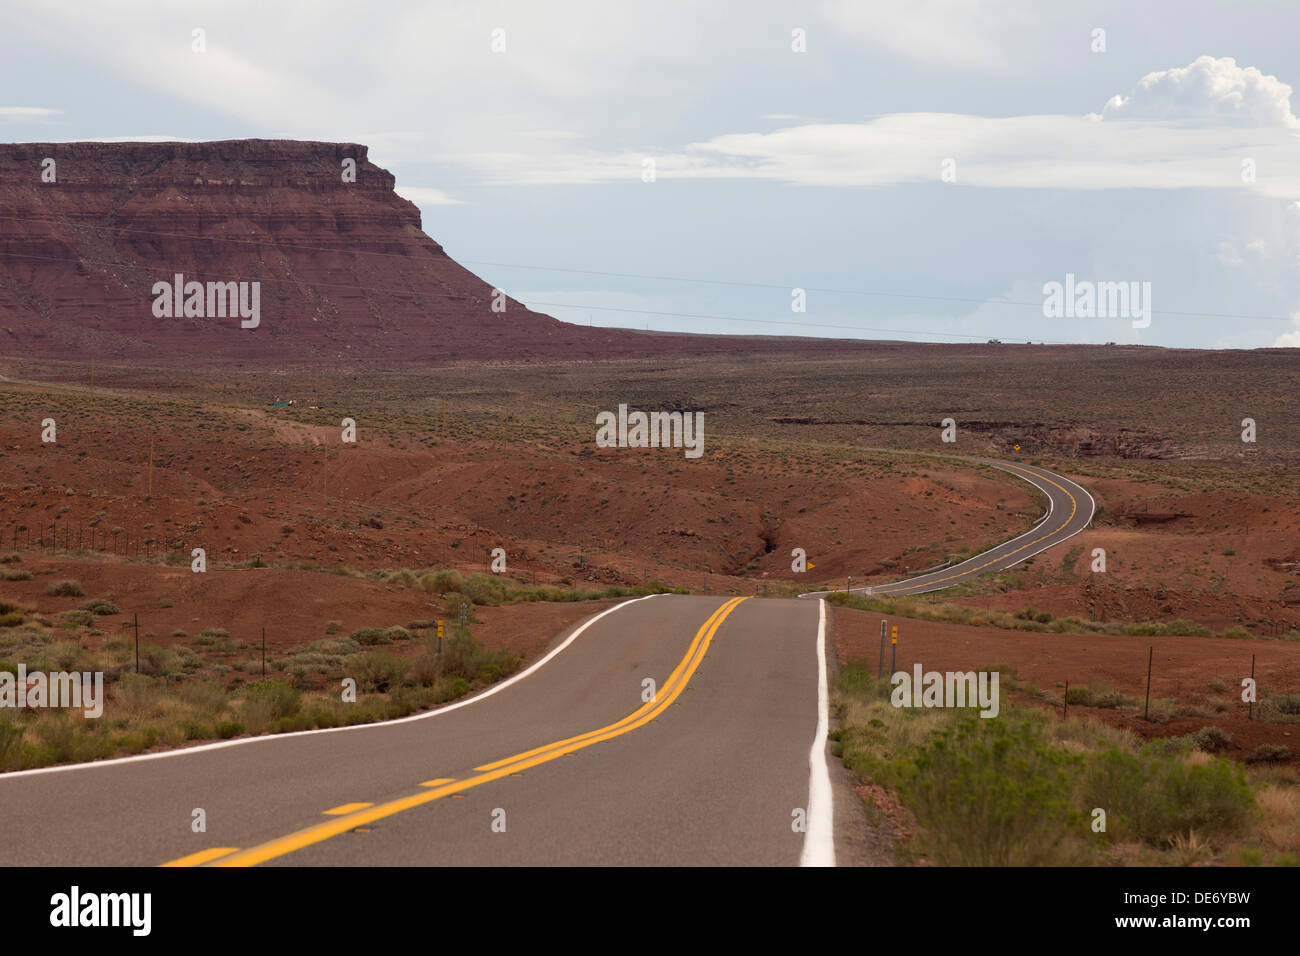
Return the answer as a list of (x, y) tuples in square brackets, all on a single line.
[(345, 270)]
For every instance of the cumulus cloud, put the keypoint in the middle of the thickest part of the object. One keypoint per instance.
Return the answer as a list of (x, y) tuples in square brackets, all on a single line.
[(1209, 91), (1290, 340)]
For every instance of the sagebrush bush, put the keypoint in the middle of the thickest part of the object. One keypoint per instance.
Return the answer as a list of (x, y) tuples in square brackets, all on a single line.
[(375, 671), (402, 579), (1211, 740), (65, 588), (101, 607), (485, 589), (281, 699), (370, 636), (1155, 797), (79, 617), (991, 792), (442, 580), (1269, 753)]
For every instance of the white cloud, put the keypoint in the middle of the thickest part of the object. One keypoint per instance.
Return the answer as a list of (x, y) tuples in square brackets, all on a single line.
[(28, 114), (1290, 340), (1027, 152), (425, 196), (1208, 91)]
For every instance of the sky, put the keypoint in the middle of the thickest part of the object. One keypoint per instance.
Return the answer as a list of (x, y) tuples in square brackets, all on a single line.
[(909, 169)]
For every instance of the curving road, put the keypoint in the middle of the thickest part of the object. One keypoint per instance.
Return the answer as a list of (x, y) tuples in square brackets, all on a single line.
[(1070, 509), (577, 761), (669, 730)]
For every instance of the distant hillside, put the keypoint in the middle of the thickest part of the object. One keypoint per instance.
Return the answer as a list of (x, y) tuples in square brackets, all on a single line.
[(344, 270)]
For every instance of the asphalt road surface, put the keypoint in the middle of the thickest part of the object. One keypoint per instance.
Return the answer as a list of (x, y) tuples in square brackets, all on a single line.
[(1070, 509), (577, 761)]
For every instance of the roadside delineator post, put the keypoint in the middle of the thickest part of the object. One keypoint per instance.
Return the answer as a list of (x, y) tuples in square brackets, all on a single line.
[(893, 650), (1065, 713), (440, 635), (264, 650), (1146, 712), (884, 625)]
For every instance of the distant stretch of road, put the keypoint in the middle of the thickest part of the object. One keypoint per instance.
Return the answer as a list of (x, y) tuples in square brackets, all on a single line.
[(1070, 509), (682, 730)]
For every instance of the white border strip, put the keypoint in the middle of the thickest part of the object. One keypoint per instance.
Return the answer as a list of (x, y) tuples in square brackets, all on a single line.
[(265, 738), (819, 840)]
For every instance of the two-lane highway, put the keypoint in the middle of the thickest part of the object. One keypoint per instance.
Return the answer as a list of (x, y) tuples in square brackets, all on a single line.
[(1070, 509), (580, 761)]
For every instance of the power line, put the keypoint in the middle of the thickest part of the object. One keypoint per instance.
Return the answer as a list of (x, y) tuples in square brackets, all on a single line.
[(561, 305), (621, 275)]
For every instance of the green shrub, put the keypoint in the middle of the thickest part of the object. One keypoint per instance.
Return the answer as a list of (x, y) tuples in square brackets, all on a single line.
[(203, 695), (229, 728), (1097, 694), (484, 589), (323, 717), (156, 661), (1211, 740), (195, 730), (1156, 797), (139, 693), (1279, 708), (442, 580), (424, 670), (1269, 753), (375, 671), (457, 688), (451, 605), (282, 700), (370, 636), (101, 607), (991, 792), (402, 579), (65, 588)]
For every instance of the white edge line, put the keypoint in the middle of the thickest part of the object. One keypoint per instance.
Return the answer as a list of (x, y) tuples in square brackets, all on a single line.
[(868, 589), (819, 840), (267, 738), (1032, 554)]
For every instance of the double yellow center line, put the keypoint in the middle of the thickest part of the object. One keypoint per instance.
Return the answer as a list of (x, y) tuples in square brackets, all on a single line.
[(887, 589), (647, 712)]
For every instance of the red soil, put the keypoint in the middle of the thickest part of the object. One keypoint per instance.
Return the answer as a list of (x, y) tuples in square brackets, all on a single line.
[(1182, 669)]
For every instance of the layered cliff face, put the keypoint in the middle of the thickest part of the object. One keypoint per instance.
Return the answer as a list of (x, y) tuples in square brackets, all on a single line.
[(94, 235)]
